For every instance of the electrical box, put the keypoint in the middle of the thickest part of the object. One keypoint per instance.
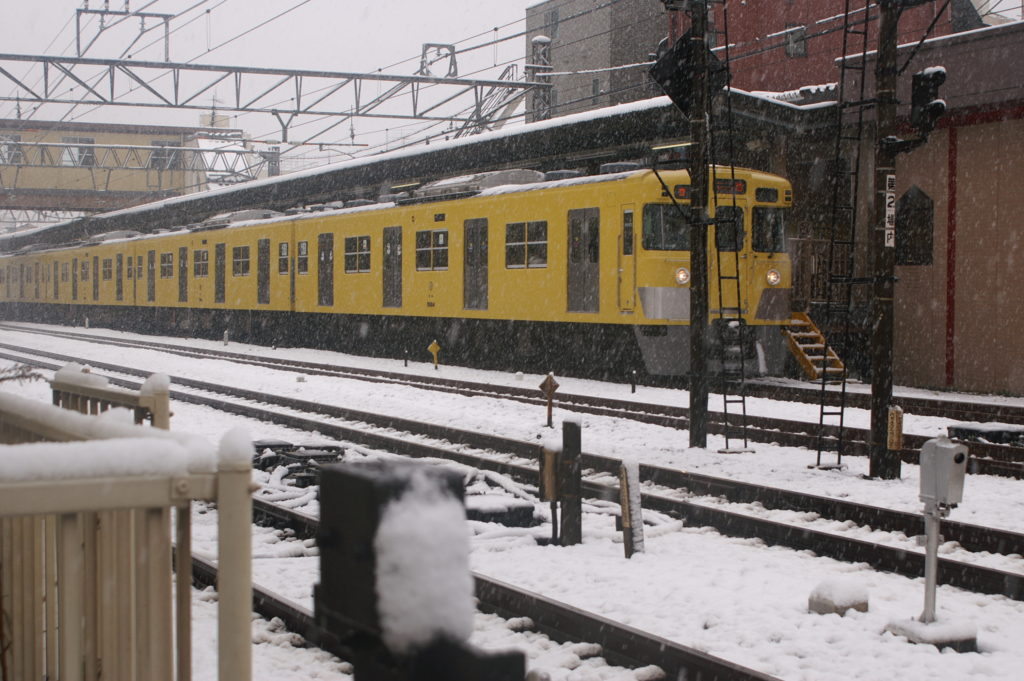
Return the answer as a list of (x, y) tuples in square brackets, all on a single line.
[(943, 467)]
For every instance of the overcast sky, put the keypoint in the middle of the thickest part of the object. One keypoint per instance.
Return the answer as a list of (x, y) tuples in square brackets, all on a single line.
[(335, 35)]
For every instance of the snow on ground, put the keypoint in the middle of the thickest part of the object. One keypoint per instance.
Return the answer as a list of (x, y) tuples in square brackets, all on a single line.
[(731, 597)]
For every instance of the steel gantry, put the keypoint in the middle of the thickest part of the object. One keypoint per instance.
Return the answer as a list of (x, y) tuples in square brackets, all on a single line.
[(279, 92)]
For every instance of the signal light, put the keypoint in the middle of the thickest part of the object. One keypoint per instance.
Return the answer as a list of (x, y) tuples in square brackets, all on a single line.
[(925, 105)]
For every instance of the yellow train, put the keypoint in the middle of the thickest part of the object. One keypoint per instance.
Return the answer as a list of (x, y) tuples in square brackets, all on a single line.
[(513, 269)]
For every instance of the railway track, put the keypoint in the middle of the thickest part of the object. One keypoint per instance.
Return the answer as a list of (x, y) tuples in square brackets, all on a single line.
[(986, 458), (619, 644), (517, 460)]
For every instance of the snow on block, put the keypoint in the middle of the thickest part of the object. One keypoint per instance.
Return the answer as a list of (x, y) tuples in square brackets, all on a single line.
[(394, 554), (424, 587), (961, 636), (837, 596)]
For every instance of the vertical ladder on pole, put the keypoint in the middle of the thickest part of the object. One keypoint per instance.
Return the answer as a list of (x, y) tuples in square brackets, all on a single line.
[(729, 235), (841, 278), (728, 223)]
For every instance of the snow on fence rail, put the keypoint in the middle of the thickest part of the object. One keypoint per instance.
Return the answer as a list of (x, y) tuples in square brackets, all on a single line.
[(85, 535)]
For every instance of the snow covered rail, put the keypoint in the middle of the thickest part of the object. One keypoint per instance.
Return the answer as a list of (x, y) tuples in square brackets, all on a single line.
[(85, 537)]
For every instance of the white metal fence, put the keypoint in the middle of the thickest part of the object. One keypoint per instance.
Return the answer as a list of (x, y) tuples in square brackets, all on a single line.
[(85, 537)]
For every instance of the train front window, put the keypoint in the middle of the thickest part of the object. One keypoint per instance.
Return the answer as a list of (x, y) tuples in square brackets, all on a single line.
[(769, 230), (666, 228)]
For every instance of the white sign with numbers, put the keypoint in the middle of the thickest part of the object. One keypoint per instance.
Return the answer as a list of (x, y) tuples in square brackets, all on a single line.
[(890, 211)]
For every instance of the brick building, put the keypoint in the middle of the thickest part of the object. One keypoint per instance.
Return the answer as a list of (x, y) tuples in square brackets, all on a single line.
[(775, 45)]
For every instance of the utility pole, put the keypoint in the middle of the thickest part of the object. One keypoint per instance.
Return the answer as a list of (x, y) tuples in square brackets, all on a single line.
[(698, 226), (884, 463), (682, 71)]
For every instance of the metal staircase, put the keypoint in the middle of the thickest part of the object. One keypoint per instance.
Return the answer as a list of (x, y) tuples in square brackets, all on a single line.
[(818, 360)]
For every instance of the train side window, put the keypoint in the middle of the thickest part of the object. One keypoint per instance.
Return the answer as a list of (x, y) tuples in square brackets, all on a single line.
[(729, 234), (85, 270), (666, 228), (357, 254), (138, 267), (526, 244), (166, 265), (201, 263), (282, 258), (769, 230), (108, 269), (240, 261), (64, 273), (302, 260), (432, 249), (130, 272)]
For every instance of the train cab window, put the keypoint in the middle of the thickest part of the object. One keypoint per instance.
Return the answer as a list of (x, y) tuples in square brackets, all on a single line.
[(108, 269), (432, 249), (729, 234), (357, 254), (666, 228), (282, 258), (526, 244), (201, 263), (302, 259), (166, 265), (240, 261), (769, 230)]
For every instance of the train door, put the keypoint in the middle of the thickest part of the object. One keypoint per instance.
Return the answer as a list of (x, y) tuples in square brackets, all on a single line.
[(151, 276), (219, 259), (325, 269), (95, 277), (392, 275), (74, 279), (183, 274), (627, 261), (263, 271), (584, 266), (119, 277), (474, 281)]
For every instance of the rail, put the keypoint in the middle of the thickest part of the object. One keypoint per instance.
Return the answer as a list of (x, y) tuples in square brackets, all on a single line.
[(85, 536)]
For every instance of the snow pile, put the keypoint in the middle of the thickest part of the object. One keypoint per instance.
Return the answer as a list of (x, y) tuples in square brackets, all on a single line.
[(97, 432), (156, 384), (236, 448), (935, 633), (92, 459), (81, 376), (838, 596), (424, 588)]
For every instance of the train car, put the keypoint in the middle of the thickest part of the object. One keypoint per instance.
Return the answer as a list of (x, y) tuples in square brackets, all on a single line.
[(510, 269)]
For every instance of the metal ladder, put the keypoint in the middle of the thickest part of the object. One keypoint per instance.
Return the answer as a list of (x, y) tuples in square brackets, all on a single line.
[(841, 278), (731, 329), (728, 233)]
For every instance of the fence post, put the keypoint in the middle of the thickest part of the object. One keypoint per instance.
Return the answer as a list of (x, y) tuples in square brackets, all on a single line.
[(234, 574), (571, 487)]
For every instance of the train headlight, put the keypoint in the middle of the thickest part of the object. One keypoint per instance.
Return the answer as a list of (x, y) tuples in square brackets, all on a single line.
[(682, 276), (773, 277)]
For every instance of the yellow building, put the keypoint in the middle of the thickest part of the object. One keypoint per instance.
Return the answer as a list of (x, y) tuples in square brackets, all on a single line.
[(56, 165)]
